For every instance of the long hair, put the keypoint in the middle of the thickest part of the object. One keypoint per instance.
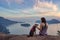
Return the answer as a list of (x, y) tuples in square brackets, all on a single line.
[(43, 20)]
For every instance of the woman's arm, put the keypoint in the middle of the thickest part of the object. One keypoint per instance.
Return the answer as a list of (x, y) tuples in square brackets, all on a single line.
[(47, 25), (40, 27)]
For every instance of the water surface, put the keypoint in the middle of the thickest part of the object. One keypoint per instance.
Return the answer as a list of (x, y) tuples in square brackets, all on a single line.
[(20, 30)]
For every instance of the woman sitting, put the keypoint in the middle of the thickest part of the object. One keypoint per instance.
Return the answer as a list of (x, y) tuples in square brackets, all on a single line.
[(43, 27)]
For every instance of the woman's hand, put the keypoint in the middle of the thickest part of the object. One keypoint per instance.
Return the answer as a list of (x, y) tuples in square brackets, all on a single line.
[(38, 28)]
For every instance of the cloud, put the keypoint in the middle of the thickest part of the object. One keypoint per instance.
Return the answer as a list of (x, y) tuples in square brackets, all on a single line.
[(19, 1), (31, 12), (38, 9), (57, 14), (12, 1), (45, 5), (8, 2), (16, 1)]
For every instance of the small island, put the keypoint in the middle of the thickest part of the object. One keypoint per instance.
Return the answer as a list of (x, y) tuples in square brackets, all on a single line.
[(25, 25)]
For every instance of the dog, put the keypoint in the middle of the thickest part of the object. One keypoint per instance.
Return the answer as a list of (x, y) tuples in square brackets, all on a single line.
[(33, 30)]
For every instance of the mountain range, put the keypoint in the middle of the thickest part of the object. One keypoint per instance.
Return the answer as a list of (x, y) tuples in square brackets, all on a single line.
[(6, 22)]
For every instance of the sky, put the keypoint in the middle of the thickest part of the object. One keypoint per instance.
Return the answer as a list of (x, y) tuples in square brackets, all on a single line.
[(29, 8)]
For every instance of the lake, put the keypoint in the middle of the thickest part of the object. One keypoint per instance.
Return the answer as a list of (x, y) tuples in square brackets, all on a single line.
[(17, 29)]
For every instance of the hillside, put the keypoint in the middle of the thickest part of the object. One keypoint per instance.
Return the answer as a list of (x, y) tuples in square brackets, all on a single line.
[(6, 22)]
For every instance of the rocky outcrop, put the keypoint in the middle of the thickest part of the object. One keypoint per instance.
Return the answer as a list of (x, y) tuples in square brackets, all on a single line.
[(24, 37)]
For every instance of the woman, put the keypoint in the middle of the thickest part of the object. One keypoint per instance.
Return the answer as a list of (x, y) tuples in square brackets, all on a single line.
[(43, 27)]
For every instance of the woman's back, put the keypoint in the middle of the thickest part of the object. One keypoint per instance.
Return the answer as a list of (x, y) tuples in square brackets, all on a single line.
[(44, 27)]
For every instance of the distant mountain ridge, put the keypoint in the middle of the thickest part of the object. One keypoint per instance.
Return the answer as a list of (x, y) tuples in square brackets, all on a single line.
[(6, 22), (52, 21)]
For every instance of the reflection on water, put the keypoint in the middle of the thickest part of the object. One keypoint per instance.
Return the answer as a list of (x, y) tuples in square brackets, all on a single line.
[(19, 30)]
